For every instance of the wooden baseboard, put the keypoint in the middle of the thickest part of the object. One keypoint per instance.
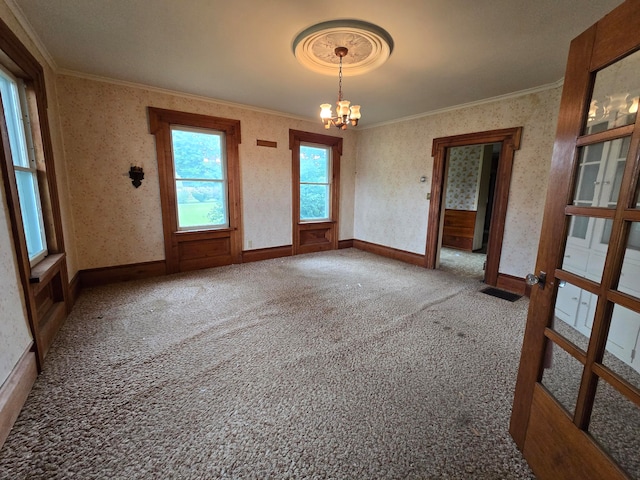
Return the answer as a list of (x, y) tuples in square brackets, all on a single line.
[(402, 255), (121, 273), (345, 244), (15, 390), (74, 290), (266, 253), (513, 284)]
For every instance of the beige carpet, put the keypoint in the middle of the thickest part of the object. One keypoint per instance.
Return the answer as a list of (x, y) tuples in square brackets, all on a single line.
[(462, 263), (338, 365)]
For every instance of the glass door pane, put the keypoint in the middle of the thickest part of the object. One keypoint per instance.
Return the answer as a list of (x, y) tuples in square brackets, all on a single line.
[(614, 102)]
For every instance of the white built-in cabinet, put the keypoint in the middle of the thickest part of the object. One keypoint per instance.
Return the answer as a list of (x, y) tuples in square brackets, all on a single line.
[(599, 177)]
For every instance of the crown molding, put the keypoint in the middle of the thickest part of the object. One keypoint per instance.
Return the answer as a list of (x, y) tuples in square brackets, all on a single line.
[(124, 83), (166, 91), (31, 33), (508, 96)]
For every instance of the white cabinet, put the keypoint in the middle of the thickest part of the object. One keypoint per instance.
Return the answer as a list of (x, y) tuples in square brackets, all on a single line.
[(599, 177)]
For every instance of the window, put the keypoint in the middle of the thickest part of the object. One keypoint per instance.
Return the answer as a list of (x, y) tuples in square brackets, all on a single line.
[(200, 178), (199, 172), (16, 113), (315, 182), (316, 188)]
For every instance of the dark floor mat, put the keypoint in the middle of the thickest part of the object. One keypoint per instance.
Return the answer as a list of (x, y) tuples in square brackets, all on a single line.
[(495, 292)]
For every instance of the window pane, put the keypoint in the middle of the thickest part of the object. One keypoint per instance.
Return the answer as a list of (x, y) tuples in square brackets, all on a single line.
[(600, 173), (574, 312), (615, 423), (314, 202), (561, 376), (630, 272), (614, 102), (622, 344), (201, 204), (29, 207), (586, 248), (13, 119), (198, 154), (314, 164)]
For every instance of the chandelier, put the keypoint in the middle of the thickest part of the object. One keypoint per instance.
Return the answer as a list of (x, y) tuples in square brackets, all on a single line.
[(317, 47), (344, 113)]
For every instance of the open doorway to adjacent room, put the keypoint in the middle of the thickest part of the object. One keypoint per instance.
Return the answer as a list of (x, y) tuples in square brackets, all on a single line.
[(469, 196), (470, 178)]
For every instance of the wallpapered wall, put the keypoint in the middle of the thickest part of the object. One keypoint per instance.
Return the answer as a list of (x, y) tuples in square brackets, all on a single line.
[(391, 206), (106, 129), (463, 177), (14, 331)]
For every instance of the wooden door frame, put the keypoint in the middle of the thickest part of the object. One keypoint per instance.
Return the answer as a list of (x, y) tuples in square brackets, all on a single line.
[(510, 139)]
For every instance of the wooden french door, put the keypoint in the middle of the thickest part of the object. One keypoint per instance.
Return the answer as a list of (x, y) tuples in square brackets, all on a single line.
[(576, 411)]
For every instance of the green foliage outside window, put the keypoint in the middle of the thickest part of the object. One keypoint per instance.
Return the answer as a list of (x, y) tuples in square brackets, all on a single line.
[(314, 183), (200, 180)]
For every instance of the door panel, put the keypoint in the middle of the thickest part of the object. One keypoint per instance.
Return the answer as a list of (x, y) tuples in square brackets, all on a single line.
[(577, 401)]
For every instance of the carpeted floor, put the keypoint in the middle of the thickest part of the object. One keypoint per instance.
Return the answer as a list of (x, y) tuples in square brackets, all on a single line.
[(462, 263), (338, 365)]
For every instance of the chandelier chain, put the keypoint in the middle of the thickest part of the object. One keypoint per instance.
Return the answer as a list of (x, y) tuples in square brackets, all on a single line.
[(340, 81)]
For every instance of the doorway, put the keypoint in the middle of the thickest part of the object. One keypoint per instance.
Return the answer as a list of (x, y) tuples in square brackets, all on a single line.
[(470, 175), (506, 142)]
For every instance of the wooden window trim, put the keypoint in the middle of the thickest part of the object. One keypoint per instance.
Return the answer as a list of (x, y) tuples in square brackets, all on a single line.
[(45, 325), (330, 226), (160, 123)]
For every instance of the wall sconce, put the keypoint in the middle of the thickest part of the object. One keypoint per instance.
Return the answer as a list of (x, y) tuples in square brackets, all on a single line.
[(136, 175)]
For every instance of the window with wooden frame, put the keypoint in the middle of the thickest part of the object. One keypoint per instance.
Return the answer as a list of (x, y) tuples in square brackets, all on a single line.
[(316, 189), (199, 175), (27, 170), (17, 120)]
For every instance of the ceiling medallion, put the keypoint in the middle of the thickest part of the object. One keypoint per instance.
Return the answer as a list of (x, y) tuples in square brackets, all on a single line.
[(369, 47)]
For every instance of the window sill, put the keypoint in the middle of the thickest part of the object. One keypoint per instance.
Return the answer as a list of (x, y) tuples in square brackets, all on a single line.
[(47, 268), (316, 223)]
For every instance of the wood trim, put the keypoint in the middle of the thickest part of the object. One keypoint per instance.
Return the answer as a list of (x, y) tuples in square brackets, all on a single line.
[(266, 143), (631, 392), (510, 139), (260, 254), (556, 449), (389, 252), (554, 226), (612, 41), (513, 284), (94, 277), (15, 390), (571, 348), (296, 137), (34, 75), (345, 243), (605, 136), (160, 123), (74, 290), (597, 212)]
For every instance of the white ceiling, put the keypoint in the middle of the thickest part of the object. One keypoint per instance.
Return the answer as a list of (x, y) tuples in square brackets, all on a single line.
[(447, 52)]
